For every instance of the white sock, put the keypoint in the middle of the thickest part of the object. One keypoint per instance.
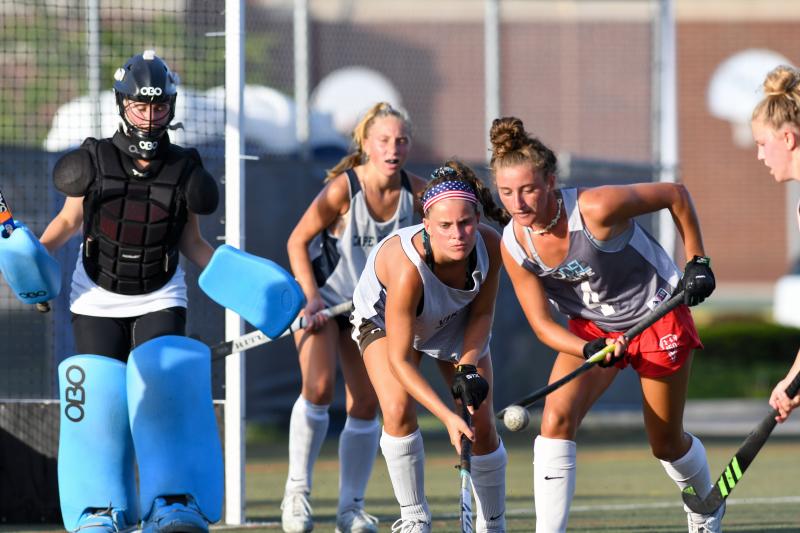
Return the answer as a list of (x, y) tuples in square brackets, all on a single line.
[(691, 469), (489, 486), (307, 429), (358, 447), (405, 460), (553, 483)]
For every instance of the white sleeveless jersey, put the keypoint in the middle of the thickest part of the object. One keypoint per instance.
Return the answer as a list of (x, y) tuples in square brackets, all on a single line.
[(338, 262), (613, 283), (439, 328)]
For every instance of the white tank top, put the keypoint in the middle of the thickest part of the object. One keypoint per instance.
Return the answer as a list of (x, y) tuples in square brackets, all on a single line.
[(338, 262), (439, 329)]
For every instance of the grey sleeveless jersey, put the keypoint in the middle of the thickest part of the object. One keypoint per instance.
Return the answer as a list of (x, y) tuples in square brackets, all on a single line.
[(439, 328), (338, 262), (613, 283)]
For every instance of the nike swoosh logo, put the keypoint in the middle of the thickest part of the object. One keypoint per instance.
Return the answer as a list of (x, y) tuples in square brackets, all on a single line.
[(493, 518), (358, 500), (548, 478)]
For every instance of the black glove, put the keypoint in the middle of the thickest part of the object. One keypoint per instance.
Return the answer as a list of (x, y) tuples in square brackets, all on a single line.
[(592, 347), (698, 281), (468, 383)]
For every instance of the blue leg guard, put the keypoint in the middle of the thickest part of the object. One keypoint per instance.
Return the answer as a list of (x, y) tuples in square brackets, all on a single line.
[(95, 453), (258, 290), (175, 433), (29, 270)]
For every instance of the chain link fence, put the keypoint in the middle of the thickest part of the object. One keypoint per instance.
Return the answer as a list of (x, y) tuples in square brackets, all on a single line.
[(578, 73), (57, 72)]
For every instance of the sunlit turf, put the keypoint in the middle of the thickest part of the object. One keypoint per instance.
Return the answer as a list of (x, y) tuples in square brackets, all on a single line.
[(620, 486)]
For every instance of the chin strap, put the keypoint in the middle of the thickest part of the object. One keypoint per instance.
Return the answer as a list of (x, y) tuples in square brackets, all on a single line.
[(141, 148)]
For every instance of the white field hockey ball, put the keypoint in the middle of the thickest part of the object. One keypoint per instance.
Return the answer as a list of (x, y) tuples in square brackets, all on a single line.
[(516, 418)]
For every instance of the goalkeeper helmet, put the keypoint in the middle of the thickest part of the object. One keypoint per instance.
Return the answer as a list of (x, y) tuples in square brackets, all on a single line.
[(145, 90)]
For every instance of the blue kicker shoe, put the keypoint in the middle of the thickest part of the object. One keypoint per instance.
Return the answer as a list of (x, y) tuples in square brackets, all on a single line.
[(104, 521), (175, 515)]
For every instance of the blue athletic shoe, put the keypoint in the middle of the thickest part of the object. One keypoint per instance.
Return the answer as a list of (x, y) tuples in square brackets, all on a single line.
[(175, 515), (104, 521)]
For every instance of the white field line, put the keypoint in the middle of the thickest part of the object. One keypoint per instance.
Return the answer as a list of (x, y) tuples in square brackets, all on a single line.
[(783, 500)]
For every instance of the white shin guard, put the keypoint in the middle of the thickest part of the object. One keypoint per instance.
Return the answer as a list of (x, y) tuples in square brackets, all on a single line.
[(691, 469), (405, 460), (358, 447), (307, 429), (553, 483), (489, 486)]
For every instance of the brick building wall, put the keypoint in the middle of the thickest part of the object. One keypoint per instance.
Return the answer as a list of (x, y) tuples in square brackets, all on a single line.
[(579, 75), (742, 209)]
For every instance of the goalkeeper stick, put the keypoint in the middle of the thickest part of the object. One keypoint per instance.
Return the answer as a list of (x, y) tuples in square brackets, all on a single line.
[(257, 338)]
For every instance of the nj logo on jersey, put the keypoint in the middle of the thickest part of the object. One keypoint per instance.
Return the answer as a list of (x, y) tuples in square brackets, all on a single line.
[(669, 343), (659, 297), (573, 271)]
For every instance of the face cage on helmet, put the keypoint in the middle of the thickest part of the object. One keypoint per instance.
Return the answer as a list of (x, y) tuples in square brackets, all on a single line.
[(153, 133)]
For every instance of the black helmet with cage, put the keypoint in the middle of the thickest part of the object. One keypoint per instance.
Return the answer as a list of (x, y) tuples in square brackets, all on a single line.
[(145, 78)]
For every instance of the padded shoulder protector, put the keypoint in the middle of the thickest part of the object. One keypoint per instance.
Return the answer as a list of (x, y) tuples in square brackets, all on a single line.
[(74, 172), (202, 194)]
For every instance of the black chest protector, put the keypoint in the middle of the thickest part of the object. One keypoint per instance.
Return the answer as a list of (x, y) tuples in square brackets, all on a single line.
[(133, 221)]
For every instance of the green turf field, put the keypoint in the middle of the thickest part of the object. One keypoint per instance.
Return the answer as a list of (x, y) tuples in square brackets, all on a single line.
[(621, 487)]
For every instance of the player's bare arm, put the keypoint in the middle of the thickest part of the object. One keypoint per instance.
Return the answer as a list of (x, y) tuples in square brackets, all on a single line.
[(481, 315), (66, 223), (534, 304), (193, 246), (332, 202), (607, 210)]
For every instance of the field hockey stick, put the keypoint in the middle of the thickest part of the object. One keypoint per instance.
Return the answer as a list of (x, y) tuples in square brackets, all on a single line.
[(643, 324), (257, 338), (8, 225), (736, 468), (465, 470)]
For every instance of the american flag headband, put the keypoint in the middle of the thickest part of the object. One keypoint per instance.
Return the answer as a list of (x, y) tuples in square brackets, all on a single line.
[(448, 190)]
